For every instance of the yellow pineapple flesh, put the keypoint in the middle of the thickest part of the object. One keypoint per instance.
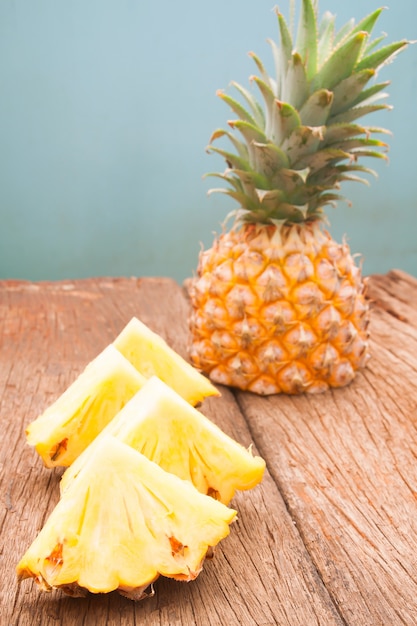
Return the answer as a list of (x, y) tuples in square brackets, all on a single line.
[(69, 425), (121, 524), (152, 356), (65, 428), (160, 424)]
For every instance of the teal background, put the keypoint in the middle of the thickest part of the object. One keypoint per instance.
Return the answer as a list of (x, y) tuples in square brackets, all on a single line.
[(106, 108)]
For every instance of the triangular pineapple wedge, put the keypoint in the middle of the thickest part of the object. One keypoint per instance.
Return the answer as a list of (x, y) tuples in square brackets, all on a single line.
[(152, 356), (121, 524), (165, 428), (62, 432)]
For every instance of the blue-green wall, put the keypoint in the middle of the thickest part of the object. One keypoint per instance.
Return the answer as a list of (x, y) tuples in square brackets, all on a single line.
[(106, 108)]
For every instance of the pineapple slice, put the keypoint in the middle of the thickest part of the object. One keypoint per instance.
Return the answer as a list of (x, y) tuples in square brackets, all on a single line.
[(121, 524), (62, 432), (151, 355), (161, 425)]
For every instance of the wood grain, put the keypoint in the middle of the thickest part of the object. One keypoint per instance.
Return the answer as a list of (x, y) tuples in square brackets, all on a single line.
[(346, 465), (262, 574), (328, 538)]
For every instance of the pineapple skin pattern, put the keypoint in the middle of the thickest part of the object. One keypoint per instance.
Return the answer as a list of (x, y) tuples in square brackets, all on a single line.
[(279, 310), (277, 306)]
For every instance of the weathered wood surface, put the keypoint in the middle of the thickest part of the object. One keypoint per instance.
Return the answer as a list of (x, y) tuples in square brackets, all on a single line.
[(328, 538)]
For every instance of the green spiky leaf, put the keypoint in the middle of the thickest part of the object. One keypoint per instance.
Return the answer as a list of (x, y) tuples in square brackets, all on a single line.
[(307, 38), (323, 158), (251, 181), (372, 94), (296, 144), (378, 58), (249, 131), (369, 153), (241, 198), (240, 111), (240, 147), (304, 140), (296, 87), (339, 132), (286, 41), (348, 90), (264, 74), (344, 32), (352, 145), (269, 99), (357, 112), (330, 198), (326, 37), (232, 160), (354, 179), (290, 182), (228, 178), (270, 200), (257, 111), (280, 74), (341, 63), (316, 108), (374, 43), (269, 159), (368, 22), (285, 119)]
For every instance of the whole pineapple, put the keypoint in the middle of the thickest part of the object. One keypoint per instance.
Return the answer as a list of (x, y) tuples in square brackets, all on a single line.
[(277, 305)]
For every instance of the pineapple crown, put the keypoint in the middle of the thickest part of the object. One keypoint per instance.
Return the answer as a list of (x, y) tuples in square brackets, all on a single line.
[(292, 153)]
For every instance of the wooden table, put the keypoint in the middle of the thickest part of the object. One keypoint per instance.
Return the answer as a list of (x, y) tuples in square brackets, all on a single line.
[(328, 538)]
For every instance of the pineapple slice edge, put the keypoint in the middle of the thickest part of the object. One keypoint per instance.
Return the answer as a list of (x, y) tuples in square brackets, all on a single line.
[(70, 551), (164, 427), (139, 344), (90, 402), (54, 560)]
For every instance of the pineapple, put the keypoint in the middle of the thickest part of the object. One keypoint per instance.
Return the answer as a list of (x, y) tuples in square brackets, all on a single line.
[(151, 355), (161, 425), (277, 305), (121, 524), (62, 432), (66, 427)]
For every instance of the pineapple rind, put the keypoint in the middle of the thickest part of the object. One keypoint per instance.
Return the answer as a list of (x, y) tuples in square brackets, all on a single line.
[(68, 425), (121, 524), (279, 309), (152, 356), (169, 431)]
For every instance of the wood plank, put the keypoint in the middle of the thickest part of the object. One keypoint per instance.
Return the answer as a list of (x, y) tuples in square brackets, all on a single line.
[(345, 463), (396, 293), (262, 573)]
